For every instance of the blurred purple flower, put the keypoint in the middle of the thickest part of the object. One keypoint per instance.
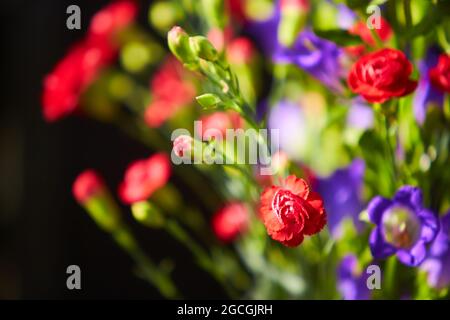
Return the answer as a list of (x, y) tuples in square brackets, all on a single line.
[(341, 193), (403, 226), (289, 119), (437, 264), (318, 57), (352, 283), (360, 115), (426, 94), (264, 32), (346, 17)]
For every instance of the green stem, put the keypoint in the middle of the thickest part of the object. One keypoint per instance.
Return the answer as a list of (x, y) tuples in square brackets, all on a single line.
[(389, 285), (203, 258), (146, 268), (407, 12)]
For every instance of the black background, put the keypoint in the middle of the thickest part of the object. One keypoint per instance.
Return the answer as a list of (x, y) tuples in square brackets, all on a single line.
[(42, 229)]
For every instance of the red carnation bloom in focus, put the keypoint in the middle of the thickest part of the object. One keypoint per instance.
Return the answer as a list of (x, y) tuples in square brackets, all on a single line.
[(440, 74), (291, 211), (88, 184), (171, 90), (219, 121), (143, 177), (230, 221), (84, 61), (381, 75)]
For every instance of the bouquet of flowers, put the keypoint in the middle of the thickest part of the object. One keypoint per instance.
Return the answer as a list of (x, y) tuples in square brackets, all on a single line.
[(299, 149)]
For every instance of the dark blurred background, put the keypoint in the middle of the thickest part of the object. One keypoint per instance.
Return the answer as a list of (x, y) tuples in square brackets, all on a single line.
[(42, 229)]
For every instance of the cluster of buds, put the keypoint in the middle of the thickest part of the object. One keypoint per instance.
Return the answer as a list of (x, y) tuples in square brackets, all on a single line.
[(198, 54), (190, 49)]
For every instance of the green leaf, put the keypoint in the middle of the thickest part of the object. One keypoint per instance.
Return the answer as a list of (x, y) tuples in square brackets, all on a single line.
[(340, 37)]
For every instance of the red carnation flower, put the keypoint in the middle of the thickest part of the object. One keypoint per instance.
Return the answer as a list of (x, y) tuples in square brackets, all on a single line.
[(230, 221), (381, 75), (113, 18), (240, 51), (440, 74), (143, 177), (85, 60), (88, 184), (171, 90), (291, 211), (219, 121), (360, 28)]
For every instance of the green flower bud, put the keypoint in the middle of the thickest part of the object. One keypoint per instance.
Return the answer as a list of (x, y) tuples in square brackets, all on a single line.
[(208, 100), (203, 49), (178, 41), (147, 214)]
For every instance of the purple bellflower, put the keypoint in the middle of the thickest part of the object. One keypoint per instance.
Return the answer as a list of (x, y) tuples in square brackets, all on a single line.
[(403, 226)]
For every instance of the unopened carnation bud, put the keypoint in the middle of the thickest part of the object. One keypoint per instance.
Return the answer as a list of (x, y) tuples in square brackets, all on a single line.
[(203, 49), (293, 18), (240, 51), (208, 100), (178, 41), (147, 214), (90, 192), (182, 146), (87, 185)]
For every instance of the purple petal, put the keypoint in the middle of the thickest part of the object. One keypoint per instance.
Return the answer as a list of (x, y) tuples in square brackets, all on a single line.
[(410, 196), (376, 208), (380, 249), (433, 267), (430, 225), (414, 256)]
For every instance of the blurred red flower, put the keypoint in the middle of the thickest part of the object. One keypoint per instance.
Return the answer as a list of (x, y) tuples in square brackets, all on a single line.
[(171, 90), (384, 32), (84, 61), (143, 177), (219, 121), (381, 75), (291, 211), (113, 18), (230, 221), (440, 74), (240, 51), (88, 184)]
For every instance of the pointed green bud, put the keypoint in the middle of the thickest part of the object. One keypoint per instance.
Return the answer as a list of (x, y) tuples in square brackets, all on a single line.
[(147, 214), (208, 100), (203, 49), (178, 41)]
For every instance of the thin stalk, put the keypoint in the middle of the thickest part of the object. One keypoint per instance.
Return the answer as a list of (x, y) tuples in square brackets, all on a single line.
[(146, 268)]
